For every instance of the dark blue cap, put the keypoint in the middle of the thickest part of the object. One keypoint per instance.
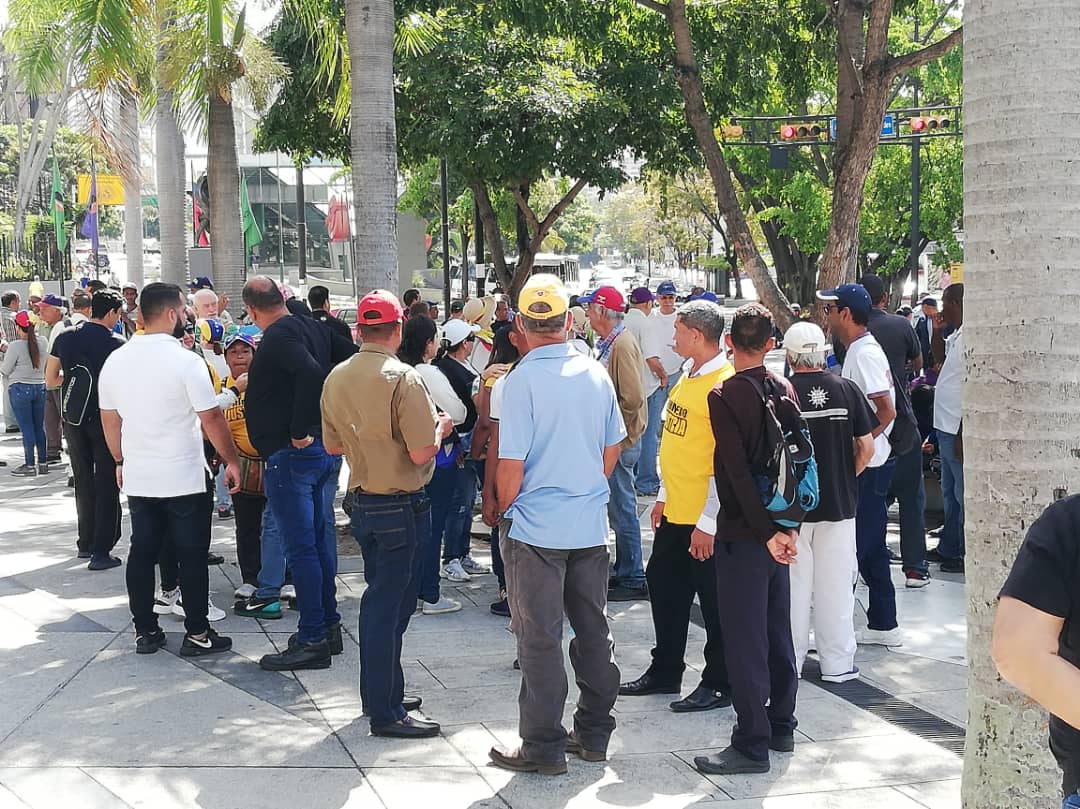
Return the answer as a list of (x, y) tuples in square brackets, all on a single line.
[(666, 288), (850, 296)]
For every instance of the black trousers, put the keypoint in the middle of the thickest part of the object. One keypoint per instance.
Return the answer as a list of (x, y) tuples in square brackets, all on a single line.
[(183, 523), (168, 565), (248, 511), (674, 578), (754, 597), (97, 497)]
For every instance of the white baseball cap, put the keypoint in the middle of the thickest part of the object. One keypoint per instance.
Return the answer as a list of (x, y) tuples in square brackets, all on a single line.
[(805, 338), (458, 331)]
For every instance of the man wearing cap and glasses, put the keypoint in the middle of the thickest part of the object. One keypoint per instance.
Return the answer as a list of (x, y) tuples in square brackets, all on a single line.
[(848, 308), (377, 412), (618, 351), (553, 462), (285, 381)]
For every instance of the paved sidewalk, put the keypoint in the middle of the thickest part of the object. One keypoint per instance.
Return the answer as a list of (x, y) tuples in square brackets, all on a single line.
[(86, 723)]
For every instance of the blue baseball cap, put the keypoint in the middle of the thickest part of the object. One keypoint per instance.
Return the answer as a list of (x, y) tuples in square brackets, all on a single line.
[(200, 282), (666, 288), (849, 296), (704, 296)]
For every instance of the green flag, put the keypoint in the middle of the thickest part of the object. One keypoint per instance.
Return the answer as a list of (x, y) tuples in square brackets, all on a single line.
[(251, 230), (58, 208)]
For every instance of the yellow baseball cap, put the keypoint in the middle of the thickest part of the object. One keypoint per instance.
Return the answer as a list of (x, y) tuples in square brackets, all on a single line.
[(543, 297)]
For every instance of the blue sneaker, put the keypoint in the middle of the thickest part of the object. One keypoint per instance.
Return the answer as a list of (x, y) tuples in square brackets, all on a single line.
[(255, 607)]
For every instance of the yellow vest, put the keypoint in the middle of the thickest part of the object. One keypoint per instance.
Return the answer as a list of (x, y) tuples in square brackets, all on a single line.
[(687, 445)]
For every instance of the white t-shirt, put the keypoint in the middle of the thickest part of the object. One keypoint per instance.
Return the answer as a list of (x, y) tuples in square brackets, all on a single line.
[(442, 393), (663, 327), (496, 398), (161, 435), (638, 324), (866, 365), (947, 406)]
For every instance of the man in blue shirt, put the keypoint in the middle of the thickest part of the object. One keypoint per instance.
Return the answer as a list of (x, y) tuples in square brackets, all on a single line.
[(554, 462)]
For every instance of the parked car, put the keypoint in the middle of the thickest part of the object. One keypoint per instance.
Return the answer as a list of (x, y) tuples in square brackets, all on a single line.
[(347, 314)]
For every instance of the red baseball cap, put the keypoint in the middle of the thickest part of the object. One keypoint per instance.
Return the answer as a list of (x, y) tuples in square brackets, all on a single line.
[(22, 319), (377, 307), (608, 297)]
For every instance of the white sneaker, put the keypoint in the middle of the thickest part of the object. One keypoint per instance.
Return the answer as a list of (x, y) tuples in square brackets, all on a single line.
[(881, 637), (244, 591), (472, 567), (441, 607), (453, 571), (212, 612), (163, 604), (842, 678), (288, 592)]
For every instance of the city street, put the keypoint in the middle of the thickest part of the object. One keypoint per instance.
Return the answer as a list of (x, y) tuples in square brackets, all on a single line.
[(87, 723)]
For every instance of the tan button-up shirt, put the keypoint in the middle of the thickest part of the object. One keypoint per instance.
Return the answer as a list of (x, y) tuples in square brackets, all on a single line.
[(378, 409)]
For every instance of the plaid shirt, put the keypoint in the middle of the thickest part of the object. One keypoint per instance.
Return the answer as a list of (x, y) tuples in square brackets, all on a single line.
[(7, 325)]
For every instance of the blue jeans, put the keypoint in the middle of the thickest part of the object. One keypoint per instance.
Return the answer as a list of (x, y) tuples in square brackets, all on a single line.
[(623, 516), (910, 491), (446, 494), (951, 543), (28, 407), (221, 491), (271, 557), (648, 478), (390, 529), (300, 488), (871, 522)]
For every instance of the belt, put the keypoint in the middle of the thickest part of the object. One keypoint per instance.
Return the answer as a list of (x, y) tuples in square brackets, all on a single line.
[(359, 492)]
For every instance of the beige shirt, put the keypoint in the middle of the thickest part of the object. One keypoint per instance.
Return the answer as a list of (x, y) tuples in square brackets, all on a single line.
[(378, 409), (624, 366)]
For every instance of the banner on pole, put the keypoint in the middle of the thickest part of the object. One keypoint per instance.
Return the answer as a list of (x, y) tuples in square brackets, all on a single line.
[(110, 189)]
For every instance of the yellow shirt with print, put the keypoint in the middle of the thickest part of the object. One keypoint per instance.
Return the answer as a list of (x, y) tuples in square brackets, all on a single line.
[(687, 445), (238, 425)]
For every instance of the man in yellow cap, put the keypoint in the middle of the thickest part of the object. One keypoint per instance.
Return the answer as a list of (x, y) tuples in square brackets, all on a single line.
[(553, 467)]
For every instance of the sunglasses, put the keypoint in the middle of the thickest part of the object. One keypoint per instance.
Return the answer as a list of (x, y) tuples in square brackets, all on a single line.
[(190, 328), (834, 307)]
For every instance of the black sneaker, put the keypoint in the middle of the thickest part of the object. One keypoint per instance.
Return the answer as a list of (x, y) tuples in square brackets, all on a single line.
[(501, 608), (952, 565), (300, 656), (212, 644), (43, 469), (255, 607), (333, 639), (214, 559), (103, 563), (150, 643), (624, 593)]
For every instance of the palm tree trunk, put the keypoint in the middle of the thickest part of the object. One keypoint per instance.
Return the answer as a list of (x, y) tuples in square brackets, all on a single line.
[(171, 191), (132, 171), (369, 26), (227, 259), (1019, 422)]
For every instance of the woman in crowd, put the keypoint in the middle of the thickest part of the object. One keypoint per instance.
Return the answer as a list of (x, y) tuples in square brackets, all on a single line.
[(419, 345), (24, 369)]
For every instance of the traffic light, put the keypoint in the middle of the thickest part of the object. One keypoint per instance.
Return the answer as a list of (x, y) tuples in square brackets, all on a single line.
[(928, 123), (800, 131)]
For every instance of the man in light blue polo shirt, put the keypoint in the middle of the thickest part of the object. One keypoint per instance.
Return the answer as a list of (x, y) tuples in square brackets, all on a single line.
[(554, 462)]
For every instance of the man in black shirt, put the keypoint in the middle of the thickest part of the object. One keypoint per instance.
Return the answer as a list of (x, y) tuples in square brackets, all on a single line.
[(897, 339), (924, 330), (319, 299), (75, 363), (1036, 643), (841, 423), (284, 421)]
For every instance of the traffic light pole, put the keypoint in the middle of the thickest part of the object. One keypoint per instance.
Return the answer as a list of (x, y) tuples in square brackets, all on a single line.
[(916, 186)]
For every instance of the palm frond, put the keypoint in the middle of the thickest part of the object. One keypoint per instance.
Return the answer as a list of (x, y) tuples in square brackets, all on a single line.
[(263, 73), (417, 33), (107, 34)]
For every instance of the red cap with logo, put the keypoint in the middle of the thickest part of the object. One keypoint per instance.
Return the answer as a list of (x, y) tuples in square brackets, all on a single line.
[(22, 319), (377, 307), (608, 297)]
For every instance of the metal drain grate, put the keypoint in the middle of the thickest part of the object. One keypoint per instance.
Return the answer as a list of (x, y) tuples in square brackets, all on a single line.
[(895, 711), (881, 704)]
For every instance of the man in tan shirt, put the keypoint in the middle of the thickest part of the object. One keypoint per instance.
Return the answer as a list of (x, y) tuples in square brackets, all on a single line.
[(619, 352), (377, 412)]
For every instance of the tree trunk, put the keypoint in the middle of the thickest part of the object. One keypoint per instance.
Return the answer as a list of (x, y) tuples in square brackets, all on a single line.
[(369, 26), (1019, 425), (171, 191), (132, 173), (688, 76), (32, 162), (490, 222), (223, 176)]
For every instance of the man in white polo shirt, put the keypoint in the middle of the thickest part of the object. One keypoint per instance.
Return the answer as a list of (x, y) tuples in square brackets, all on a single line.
[(156, 440)]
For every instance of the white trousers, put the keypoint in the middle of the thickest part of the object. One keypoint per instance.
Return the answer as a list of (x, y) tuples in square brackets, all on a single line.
[(824, 574)]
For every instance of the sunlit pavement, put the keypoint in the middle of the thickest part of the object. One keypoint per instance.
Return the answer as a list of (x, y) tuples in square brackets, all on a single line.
[(84, 722)]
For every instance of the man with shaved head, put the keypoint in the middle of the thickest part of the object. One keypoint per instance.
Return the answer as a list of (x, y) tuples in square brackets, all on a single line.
[(284, 421)]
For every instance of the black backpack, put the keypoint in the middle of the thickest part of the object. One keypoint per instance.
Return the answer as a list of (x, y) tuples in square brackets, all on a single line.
[(785, 470), (79, 393)]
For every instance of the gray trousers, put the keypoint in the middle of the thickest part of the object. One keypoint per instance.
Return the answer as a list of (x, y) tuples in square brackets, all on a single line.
[(541, 584), (9, 417)]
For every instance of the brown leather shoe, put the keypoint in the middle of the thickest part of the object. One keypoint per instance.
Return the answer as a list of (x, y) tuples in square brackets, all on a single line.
[(513, 760), (576, 748)]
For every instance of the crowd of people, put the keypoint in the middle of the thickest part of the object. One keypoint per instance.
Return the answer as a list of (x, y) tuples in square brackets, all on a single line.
[(555, 419)]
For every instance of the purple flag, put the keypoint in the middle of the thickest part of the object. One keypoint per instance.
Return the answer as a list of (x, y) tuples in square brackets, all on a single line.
[(89, 227)]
